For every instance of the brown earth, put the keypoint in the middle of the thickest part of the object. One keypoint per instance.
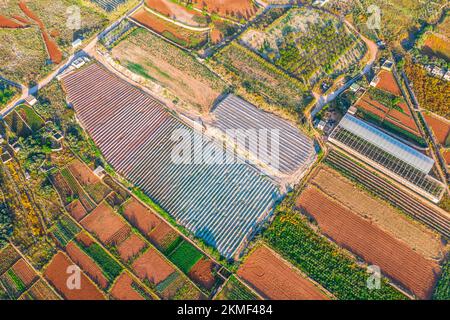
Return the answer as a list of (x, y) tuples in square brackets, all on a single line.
[(372, 244), (56, 274), (228, 8), (106, 225), (8, 23), (441, 128), (415, 235), (24, 271), (387, 82), (275, 279), (175, 11), (202, 273), (152, 266), (86, 264), (131, 247), (82, 173), (140, 216), (163, 235), (76, 210), (123, 290)]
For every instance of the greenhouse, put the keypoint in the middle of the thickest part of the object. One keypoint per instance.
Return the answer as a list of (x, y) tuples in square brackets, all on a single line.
[(388, 154)]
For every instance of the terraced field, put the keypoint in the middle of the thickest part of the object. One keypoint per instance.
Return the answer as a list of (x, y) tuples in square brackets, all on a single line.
[(222, 204)]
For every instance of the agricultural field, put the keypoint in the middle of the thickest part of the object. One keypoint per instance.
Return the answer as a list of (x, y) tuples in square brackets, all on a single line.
[(158, 61), (240, 10), (396, 260), (235, 290), (321, 260), (260, 82), (385, 106), (437, 45), (179, 35), (440, 128), (390, 192), (307, 44), (275, 279), (32, 51), (178, 12), (18, 280), (143, 133)]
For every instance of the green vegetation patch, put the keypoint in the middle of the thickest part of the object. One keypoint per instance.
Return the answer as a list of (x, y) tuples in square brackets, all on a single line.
[(30, 116), (185, 256), (442, 291), (65, 230), (323, 261), (235, 290), (111, 268)]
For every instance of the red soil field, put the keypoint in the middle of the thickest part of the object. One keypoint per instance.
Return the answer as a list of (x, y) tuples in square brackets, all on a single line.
[(447, 157), (387, 82), (441, 128), (56, 274), (123, 290), (52, 48), (86, 264), (229, 8), (140, 216), (406, 122), (76, 210), (216, 35), (24, 271), (274, 279), (202, 273), (131, 247), (174, 11), (163, 235), (107, 225), (8, 23), (84, 238), (156, 24), (152, 266), (372, 244), (82, 173), (21, 19)]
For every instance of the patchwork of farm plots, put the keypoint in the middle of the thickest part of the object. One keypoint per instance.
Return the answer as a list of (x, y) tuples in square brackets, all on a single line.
[(308, 44), (396, 260), (222, 204), (143, 249), (18, 280), (385, 106), (44, 36)]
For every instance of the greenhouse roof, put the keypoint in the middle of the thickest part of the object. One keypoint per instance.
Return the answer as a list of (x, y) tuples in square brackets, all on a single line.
[(387, 143)]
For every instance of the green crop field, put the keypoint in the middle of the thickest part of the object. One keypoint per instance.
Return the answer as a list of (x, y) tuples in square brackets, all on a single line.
[(185, 256)]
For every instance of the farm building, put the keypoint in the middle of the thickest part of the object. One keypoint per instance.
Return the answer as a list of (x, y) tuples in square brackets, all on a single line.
[(221, 203), (389, 155), (294, 150)]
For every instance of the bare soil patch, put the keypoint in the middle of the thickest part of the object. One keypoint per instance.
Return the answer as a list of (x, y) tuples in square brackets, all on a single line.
[(387, 82), (202, 273), (228, 8), (140, 216), (123, 289), (106, 225), (87, 264), (131, 247), (163, 236), (152, 266), (56, 274), (275, 279), (441, 128), (369, 242), (24, 271), (76, 210)]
